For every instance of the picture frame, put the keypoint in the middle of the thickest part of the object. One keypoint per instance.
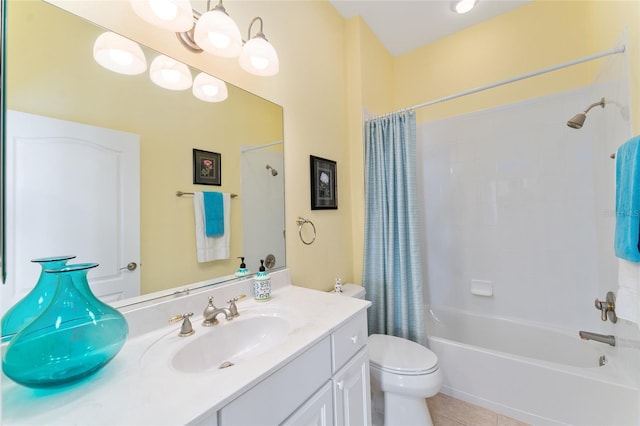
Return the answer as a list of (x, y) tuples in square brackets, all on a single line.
[(324, 183), (207, 167)]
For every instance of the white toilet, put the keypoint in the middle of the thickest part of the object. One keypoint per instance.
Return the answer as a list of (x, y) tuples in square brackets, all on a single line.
[(403, 374)]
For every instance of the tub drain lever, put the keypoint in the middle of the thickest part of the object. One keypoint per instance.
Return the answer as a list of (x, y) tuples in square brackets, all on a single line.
[(608, 308)]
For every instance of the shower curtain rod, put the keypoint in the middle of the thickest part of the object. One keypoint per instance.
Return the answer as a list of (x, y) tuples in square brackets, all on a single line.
[(619, 49)]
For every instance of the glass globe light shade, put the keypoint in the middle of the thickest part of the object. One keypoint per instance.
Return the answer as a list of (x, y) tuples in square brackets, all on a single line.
[(173, 15), (170, 74), (259, 57), (119, 54), (209, 89), (218, 34)]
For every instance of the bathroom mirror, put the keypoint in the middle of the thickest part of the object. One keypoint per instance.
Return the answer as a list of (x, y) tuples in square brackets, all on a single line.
[(50, 71)]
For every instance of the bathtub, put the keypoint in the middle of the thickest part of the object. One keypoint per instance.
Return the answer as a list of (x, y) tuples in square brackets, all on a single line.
[(534, 374)]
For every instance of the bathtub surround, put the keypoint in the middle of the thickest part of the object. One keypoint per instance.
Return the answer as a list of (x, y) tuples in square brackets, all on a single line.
[(549, 377), (392, 273), (627, 300), (513, 196)]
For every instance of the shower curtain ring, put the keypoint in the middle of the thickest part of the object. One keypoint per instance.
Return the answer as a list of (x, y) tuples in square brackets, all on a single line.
[(300, 221)]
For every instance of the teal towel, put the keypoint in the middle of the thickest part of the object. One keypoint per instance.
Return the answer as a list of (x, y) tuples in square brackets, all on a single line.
[(213, 214), (627, 235)]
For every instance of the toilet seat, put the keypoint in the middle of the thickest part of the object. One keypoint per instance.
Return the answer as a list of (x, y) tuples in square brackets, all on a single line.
[(400, 356)]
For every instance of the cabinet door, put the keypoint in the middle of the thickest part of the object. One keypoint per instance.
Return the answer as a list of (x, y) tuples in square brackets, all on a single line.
[(317, 411), (351, 391)]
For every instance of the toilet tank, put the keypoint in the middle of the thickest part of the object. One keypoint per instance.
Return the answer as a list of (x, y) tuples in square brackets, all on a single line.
[(353, 290)]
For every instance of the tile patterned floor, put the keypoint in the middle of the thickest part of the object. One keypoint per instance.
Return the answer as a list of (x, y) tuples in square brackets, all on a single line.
[(449, 411)]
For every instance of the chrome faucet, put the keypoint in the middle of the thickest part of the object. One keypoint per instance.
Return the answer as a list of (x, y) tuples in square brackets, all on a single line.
[(608, 339), (211, 312)]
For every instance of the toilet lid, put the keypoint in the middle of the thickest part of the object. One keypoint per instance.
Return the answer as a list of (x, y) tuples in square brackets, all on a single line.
[(401, 356)]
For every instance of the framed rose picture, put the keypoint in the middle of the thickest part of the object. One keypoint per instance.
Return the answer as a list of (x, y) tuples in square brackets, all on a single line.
[(324, 185), (206, 168)]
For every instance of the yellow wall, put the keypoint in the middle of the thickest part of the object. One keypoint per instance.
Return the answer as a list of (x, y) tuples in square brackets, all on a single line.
[(529, 38), (311, 86), (332, 69), (370, 69), (62, 83)]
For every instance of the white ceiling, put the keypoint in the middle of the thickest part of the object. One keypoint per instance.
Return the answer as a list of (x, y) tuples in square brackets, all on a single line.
[(404, 25)]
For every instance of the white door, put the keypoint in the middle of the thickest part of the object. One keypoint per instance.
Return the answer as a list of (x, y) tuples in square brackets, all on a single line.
[(71, 189)]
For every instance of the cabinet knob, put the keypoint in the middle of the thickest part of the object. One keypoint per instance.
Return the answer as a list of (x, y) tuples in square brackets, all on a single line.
[(340, 384), (354, 339)]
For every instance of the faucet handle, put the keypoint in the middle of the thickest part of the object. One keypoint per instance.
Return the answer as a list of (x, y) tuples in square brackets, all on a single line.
[(608, 307), (233, 309), (187, 328)]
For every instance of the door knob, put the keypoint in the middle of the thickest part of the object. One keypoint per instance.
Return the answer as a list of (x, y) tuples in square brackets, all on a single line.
[(131, 266)]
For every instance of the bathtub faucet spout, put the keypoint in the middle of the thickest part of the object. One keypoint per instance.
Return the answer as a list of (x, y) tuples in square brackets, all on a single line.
[(609, 339)]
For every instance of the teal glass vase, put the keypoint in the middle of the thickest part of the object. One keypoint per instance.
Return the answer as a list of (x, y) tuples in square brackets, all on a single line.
[(74, 337), (32, 305)]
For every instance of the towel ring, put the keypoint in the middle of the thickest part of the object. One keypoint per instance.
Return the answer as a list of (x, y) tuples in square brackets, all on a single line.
[(300, 221)]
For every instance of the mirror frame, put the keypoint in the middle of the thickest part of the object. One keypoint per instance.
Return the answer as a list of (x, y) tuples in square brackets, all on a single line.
[(3, 60)]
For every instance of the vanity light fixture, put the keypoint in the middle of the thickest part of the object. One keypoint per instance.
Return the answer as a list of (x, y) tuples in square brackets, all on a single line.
[(119, 54), (258, 55), (173, 15), (209, 89), (464, 6), (214, 32), (170, 74)]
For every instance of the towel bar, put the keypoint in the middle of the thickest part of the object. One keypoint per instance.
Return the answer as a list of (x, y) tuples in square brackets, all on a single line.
[(180, 194)]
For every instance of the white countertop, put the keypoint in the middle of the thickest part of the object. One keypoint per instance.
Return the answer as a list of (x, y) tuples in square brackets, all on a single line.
[(128, 392)]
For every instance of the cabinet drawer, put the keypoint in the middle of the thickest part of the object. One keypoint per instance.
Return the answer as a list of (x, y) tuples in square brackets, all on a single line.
[(276, 397), (348, 339)]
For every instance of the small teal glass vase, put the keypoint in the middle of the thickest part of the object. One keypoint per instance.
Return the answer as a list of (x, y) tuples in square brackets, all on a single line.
[(74, 337), (32, 305)]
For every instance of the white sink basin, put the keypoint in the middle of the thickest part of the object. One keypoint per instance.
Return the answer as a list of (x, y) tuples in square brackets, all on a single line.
[(230, 343)]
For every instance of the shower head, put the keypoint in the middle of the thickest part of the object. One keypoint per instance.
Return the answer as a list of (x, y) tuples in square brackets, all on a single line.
[(274, 172), (578, 120)]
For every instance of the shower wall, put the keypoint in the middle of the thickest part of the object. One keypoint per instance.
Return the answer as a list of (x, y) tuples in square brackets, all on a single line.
[(262, 196), (522, 205)]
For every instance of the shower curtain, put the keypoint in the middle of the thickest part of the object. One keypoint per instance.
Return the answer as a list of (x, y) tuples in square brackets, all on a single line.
[(392, 273)]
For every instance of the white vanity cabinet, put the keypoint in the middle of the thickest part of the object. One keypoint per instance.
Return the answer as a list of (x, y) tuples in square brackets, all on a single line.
[(351, 390), (327, 385), (317, 411), (350, 361), (316, 374)]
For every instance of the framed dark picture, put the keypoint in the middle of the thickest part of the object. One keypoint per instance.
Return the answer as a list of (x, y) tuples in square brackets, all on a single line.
[(206, 168), (324, 184)]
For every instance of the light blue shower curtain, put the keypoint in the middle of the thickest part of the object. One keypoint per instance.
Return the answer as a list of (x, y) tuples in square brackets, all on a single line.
[(392, 273)]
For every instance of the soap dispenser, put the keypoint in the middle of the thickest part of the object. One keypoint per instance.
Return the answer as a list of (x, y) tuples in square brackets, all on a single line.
[(242, 270), (262, 284)]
